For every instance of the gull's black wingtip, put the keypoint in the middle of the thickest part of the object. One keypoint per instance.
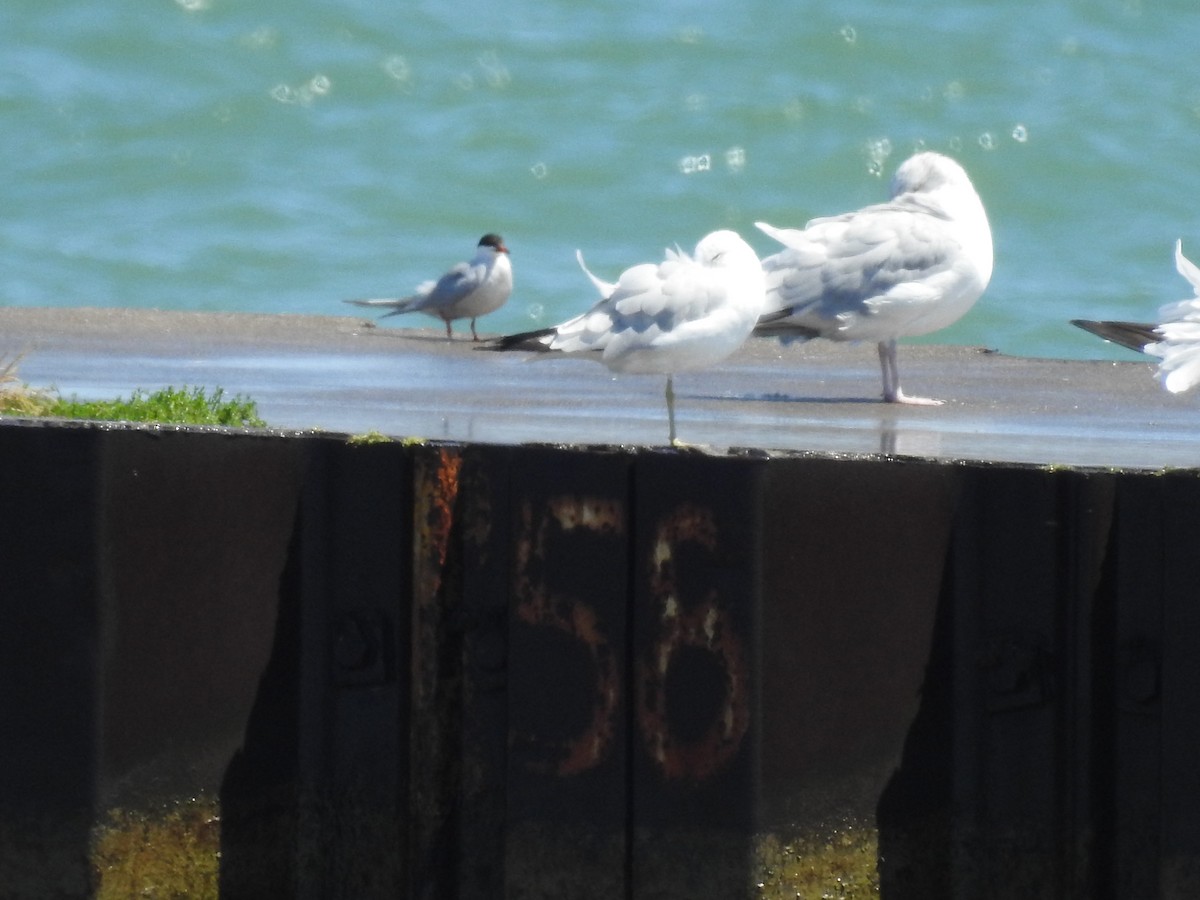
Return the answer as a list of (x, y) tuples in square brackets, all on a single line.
[(1134, 335), (776, 324)]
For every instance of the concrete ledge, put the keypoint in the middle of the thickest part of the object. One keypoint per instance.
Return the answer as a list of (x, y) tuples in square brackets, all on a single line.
[(344, 375)]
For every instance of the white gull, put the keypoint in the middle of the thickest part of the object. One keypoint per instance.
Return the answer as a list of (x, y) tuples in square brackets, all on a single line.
[(1175, 340), (684, 313), (907, 267)]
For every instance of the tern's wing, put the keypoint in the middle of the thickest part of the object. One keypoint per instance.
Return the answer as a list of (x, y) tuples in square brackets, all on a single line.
[(448, 290), (451, 288)]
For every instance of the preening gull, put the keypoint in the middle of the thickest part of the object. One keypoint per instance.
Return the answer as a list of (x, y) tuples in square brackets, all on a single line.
[(684, 313), (1175, 340), (910, 266)]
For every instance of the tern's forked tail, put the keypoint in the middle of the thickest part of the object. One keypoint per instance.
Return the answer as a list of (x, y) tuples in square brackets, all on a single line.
[(397, 305)]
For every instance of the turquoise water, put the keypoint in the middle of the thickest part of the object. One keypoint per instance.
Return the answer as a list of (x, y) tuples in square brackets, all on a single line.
[(278, 157)]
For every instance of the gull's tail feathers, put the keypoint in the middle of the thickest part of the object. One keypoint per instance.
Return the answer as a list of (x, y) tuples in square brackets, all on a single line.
[(533, 341), (1134, 335), (604, 288)]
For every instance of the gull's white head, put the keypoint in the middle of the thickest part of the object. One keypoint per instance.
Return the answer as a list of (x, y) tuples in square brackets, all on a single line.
[(732, 262), (932, 181), (927, 173), (725, 249)]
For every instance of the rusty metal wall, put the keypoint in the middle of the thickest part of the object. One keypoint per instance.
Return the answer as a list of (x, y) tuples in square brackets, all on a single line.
[(1054, 752), (1148, 677), (139, 574), (448, 671)]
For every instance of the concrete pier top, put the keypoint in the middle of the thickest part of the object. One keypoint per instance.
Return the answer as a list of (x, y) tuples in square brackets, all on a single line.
[(344, 374)]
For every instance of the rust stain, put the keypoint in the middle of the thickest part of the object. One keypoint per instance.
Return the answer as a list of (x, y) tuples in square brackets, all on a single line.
[(599, 514), (435, 489), (435, 688), (433, 513), (701, 623), (538, 605)]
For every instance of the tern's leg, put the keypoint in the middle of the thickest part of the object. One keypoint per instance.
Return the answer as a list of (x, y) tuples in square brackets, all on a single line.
[(449, 333), (474, 336), (891, 378), (671, 410)]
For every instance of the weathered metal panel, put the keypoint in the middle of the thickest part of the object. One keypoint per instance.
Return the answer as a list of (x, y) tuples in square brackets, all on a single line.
[(1146, 791), (435, 740), (259, 792), (53, 608), (1027, 557), (1087, 503), (536, 672), (567, 534), (315, 803), (1180, 686), (195, 528), (357, 639), (1129, 643), (484, 621), (696, 674), (853, 559), (1008, 687)]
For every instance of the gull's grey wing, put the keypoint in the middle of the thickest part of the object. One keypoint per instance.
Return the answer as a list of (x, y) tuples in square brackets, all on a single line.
[(845, 265)]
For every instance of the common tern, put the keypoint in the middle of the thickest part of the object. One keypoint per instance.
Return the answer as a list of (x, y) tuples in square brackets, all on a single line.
[(469, 290)]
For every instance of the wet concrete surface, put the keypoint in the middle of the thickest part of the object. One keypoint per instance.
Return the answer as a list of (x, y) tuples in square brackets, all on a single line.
[(343, 374)]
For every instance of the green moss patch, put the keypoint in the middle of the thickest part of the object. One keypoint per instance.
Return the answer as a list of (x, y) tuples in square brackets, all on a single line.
[(169, 854)]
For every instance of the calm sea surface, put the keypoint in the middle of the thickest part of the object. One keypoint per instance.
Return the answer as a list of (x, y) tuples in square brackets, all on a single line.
[(281, 156)]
